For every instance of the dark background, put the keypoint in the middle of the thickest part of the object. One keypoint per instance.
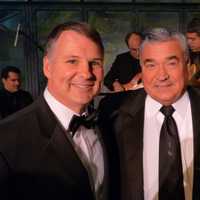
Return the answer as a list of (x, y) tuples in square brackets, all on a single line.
[(112, 18)]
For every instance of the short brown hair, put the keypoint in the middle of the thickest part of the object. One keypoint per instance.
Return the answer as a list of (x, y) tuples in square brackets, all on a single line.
[(194, 26), (128, 35), (79, 27)]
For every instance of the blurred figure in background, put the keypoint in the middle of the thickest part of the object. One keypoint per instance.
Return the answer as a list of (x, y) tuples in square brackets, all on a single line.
[(125, 71), (193, 38), (12, 98)]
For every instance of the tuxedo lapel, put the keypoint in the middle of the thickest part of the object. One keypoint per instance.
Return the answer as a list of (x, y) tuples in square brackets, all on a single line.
[(131, 143), (65, 151), (104, 188), (195, 107), (60, 145)]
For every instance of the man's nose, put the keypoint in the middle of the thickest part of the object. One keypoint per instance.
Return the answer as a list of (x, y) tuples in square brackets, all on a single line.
[(162, 73), (17, 83), (86, 70)]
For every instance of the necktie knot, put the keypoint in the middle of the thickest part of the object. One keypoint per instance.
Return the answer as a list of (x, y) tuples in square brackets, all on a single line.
[(77, 121), (167, 110)]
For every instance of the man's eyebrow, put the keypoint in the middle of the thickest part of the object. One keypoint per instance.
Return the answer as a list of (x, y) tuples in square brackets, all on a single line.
[(172, 58), (168, 58), (71, 56), (148, 60), (98, 59)]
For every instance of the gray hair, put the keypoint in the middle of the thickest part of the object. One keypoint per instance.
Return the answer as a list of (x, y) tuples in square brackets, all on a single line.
[(163, 35)]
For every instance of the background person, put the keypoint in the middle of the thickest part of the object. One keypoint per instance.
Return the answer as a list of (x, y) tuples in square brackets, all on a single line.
[(12, 98), (157, 129), (193, 38), (125, 71)]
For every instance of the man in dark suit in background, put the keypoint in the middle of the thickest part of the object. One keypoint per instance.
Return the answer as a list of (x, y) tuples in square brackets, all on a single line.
[(193, 38), (49, 150), (125, 71), (12, 98), (157, 129)]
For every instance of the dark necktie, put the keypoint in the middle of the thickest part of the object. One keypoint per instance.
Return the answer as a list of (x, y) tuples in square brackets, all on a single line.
[(77, 121), (170, 164)]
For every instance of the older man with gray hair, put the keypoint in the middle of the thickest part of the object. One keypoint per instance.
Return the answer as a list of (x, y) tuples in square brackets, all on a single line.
[(156, 129)]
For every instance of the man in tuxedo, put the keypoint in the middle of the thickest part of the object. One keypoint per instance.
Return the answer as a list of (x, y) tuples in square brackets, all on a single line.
[(50, 150), (125, 71), (155, 131)]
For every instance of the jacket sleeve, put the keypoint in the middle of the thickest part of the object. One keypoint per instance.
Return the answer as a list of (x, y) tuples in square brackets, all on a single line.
[(112, 74)]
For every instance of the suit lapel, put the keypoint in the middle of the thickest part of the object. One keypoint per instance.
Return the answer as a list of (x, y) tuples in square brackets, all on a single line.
[(104, 188), (132, 120), (195, 107), (60, 145), (64, 147)]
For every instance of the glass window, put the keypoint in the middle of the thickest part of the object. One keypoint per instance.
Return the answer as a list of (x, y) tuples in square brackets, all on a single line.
[(12, 52), (192, 1), (57, 0), (158, 1), (113, 26), (46, 21), (12, 0), (150, 20), (108, 1)]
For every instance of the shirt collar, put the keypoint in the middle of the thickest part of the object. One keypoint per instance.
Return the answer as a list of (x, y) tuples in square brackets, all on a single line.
[(152, 106), (181, 105), (63, 113)]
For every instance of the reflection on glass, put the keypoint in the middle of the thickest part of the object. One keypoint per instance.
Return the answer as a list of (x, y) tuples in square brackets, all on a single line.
[(11, 54), (46, 21), (57, 0), (13, 0), (113, 26), (192, 1), (109, 1), (150, 20), (158, 1)]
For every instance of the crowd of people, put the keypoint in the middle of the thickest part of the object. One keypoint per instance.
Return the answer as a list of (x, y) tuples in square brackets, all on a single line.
[(141, 143)]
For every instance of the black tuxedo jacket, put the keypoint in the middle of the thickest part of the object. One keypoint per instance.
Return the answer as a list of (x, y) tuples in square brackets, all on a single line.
[(124, 68), (121, 120), (37, 160)]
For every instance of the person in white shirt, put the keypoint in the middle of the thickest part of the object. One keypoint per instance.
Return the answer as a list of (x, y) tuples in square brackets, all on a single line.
[(156, 130), (42, 156)]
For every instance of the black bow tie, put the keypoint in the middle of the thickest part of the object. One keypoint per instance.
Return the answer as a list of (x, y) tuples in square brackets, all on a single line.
[(86, 121)]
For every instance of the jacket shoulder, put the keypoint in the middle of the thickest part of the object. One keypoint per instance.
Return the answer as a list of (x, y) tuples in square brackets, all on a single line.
[(117, 101), (25, 128), (124, 55)]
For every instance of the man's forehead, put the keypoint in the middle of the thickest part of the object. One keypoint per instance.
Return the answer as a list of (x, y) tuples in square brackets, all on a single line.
[(13, 75), (192, 34), (165, 50)]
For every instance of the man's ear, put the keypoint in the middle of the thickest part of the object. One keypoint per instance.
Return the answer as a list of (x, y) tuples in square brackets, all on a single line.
[(3, 80), (188, 62), (46, 67)]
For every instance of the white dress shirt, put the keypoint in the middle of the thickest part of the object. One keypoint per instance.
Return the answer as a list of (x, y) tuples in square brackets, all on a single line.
[(152, 126), (85, 139)]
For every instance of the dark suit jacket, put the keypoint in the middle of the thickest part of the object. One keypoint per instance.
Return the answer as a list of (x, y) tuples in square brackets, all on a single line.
[(122, 118), (37, 160), (124, 68), (11, 102)]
